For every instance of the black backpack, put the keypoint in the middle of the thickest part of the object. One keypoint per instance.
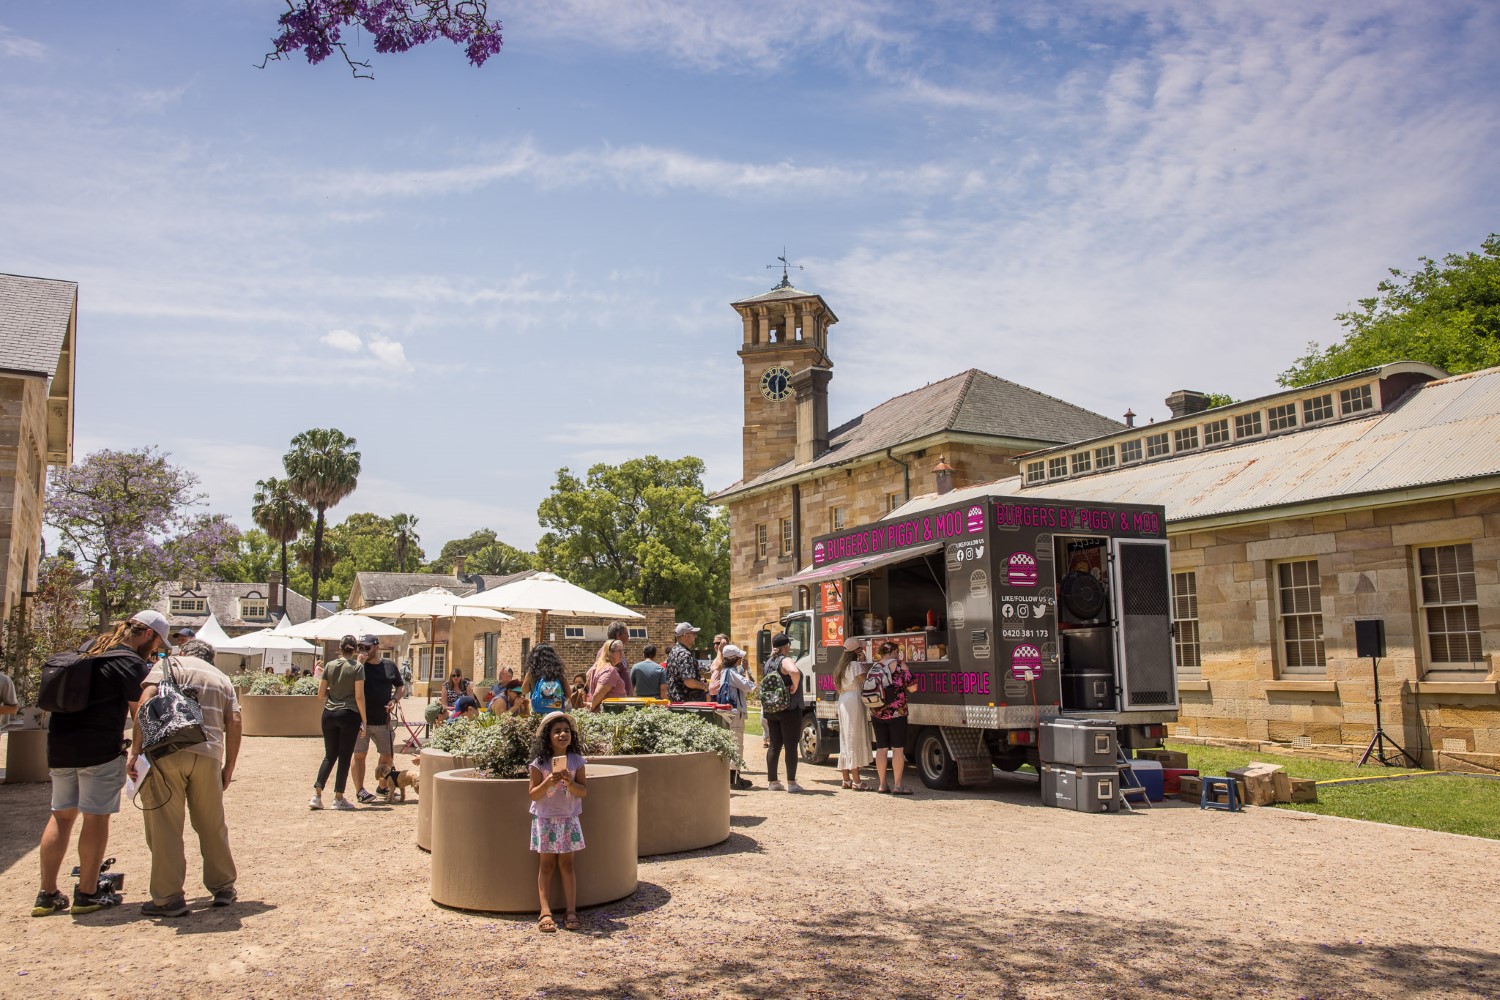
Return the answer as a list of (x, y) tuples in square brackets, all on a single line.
[(66, 681)]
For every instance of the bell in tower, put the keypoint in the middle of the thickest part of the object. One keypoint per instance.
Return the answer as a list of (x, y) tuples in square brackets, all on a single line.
[(786, 373)]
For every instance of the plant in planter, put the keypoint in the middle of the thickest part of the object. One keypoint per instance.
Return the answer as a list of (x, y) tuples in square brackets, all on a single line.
[(305, 686), (657, 731), (268, 684)]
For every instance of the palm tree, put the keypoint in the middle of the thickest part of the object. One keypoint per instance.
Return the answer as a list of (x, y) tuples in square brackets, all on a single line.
[(281, 514), (404, 530), (323, 468)]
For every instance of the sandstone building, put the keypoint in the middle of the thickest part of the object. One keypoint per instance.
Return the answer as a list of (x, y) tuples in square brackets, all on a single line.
[(38, 331), (801, 478), (1375, 495)]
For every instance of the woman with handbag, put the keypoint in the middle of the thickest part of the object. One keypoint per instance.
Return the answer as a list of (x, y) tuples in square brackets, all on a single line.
[(342, 688), (854, 726)]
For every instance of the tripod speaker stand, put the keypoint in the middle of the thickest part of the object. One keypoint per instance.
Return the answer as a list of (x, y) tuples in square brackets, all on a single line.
[(1369, 638)]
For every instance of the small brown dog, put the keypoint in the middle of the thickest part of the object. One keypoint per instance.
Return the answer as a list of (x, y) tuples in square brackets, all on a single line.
[(393, 783)]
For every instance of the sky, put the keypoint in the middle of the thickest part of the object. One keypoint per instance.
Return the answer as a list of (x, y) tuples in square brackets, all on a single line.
[(487, 274)]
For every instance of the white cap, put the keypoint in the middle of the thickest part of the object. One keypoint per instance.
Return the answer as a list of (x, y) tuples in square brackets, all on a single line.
[(683, 628), (732, 652), (157, 623)]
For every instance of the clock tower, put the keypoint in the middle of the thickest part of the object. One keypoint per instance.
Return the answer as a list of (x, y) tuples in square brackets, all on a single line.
[(786, 373)]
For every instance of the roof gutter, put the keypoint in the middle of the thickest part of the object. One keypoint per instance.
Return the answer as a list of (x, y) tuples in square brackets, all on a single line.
[(905, 475)]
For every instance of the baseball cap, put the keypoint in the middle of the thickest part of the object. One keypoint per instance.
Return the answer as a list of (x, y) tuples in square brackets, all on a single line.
[(781, 639), (683, 628), (733, 652), (466, 702), (854, 644), (368, 639), (155, 621), (187, 633)]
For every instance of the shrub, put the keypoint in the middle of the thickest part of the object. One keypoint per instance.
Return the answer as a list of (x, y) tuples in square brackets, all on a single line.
[(268, 684), (305, 686), (501, 745)]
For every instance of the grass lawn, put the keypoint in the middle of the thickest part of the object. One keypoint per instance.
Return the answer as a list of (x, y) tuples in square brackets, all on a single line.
[(752, 723), (1448, 803)]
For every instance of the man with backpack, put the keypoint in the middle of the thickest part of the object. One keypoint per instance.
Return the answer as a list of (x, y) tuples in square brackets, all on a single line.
[(89, 695)]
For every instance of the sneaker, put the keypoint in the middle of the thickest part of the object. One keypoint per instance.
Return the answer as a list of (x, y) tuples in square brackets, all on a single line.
[(792, 786), (225, 897), (364, 797), (316, 802), (174, 907), (776, 786), (48, 903), (342, 804), (100, 899), (744, 783)]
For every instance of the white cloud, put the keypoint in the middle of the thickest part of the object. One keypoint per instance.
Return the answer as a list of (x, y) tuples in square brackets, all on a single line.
[(343, 340), (16, 46), (389, 352)]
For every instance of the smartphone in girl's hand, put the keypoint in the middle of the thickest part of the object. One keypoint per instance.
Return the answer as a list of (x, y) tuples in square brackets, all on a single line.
[(560, 764)]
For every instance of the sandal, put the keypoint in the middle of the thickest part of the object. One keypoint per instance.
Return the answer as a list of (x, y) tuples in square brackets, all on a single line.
[(883, 790), (846, 783), (546, 924), (900, 790), (571, 922)]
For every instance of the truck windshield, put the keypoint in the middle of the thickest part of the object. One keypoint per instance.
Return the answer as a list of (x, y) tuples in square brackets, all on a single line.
[(798, 630)]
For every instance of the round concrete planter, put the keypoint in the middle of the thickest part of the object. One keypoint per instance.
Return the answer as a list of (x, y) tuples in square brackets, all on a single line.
[(26, 756), (434, 763), (481, 837), (281, 715), (684, 800)]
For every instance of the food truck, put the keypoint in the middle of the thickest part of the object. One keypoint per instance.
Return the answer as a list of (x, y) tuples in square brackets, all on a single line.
[(1009, 611)]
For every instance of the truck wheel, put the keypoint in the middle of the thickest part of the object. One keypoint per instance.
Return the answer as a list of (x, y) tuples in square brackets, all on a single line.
[(814, 746), (936, 766)]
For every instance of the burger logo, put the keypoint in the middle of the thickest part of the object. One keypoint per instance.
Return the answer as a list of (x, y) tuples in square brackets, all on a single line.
[(1021, 570)]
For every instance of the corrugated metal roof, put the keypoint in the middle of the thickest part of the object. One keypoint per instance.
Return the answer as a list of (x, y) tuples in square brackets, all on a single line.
[(1444, 431)]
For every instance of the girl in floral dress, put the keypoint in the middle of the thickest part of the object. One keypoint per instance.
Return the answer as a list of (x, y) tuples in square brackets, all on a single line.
[(556, 804)]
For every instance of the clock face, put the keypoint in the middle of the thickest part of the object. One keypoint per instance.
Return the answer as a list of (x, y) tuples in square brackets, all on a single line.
[(775, 384)]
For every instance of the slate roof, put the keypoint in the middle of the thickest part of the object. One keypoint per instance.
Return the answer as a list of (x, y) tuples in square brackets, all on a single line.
[(1445, 431), (377, 588), (34, 316), (971, 402), (223, 601)]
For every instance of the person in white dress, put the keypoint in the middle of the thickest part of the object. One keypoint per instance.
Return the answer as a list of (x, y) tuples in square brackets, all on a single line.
[(854, 735)]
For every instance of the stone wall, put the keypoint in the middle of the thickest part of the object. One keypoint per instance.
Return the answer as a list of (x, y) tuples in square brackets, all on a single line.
[(1367, 567), (23, 423)]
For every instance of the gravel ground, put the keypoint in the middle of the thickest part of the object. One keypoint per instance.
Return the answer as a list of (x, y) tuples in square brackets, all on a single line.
[(979, 893)]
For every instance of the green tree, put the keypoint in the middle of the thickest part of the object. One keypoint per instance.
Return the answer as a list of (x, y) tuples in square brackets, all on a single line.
[(56, 618), (483, 552), (1446, 315), (255, 559), (642, 532), (404, 534), (500, 559), (323, 468), (282, 515)]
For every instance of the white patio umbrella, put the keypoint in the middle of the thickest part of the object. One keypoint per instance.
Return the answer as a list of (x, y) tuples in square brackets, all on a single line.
[(339, 625), (432, 603), (261, 640), (542, 594)]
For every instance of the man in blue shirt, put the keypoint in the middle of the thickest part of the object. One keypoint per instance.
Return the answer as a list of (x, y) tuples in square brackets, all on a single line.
[(647, 679)]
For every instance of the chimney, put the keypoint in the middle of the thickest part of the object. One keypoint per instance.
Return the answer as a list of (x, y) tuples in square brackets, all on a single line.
[(942, 474), (1129, 418), (458, 568), (1186, 401), (811, 387), (277, 596)]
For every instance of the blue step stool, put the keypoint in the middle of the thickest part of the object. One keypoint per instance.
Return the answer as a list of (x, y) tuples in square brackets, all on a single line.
[(1206, 798)]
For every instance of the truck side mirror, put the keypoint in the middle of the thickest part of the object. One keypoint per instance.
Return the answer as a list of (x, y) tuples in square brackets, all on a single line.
[(763, 645)]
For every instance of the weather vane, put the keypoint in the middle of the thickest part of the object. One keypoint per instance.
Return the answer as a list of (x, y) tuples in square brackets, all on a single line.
[(786, 281)]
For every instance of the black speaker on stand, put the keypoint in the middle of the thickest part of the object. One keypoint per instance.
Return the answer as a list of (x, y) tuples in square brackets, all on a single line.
[(1369, 640)]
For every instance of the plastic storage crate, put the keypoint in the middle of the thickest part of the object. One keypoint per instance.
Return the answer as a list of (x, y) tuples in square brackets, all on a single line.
[(1081, 742)]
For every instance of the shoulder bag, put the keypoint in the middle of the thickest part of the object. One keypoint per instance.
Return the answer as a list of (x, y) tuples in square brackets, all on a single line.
[(171, 720)]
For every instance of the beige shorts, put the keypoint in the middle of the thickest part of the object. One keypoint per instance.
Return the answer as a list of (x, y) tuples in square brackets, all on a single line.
[(384, 738)]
